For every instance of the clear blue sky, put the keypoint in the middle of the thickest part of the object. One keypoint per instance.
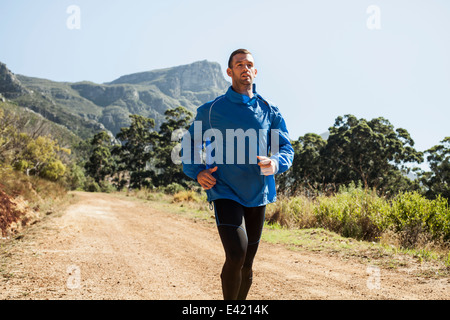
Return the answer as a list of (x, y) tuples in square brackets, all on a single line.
[(317, 59)]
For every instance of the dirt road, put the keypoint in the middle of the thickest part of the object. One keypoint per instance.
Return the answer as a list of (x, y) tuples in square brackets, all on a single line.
[(110, 247)]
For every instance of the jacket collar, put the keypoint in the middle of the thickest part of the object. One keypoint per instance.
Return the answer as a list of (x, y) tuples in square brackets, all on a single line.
[(235, 97)]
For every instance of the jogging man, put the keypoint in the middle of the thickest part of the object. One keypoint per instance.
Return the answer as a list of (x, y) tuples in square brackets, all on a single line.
[(238, 130)]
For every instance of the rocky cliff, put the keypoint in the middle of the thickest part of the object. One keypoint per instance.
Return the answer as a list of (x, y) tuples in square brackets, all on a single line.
[(10, 86), (193, 84), (197, 77)]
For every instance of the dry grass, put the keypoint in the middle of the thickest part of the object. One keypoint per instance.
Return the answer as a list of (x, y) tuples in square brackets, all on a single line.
[(26, 199)]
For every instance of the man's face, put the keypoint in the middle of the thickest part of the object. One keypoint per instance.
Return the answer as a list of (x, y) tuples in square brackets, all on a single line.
[(243, 69)]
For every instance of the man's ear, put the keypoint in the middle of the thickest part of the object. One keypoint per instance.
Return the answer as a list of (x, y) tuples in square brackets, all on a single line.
[(256, 72), (229, 72)]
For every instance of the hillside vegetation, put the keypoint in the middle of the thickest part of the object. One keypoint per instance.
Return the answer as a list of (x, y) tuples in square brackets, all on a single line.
[(34, 174)]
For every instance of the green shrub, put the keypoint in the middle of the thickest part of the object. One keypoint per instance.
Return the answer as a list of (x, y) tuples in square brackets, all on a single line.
[(352, 212), (75, 177), (106, 186), (362, 214), (173, 188), (53, 170), (413, 216), (91, 186)]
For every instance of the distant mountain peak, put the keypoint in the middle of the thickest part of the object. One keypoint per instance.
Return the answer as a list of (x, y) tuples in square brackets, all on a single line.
[(196, 76)]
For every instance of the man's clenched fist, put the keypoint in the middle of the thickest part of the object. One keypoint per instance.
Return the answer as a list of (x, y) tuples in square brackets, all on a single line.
[(206, 179)]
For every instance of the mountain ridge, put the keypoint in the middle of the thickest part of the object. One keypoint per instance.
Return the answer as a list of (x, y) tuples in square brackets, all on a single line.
[(86, 107)]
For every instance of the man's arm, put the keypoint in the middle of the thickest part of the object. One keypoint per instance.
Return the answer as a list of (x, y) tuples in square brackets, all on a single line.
[(192, 148), (285, 154)]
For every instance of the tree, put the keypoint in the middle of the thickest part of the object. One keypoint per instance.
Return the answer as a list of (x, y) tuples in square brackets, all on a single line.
[(53, 170), (437, 181), (101, 162), (306, 171), (39, 154), (166, 171), (136, 152), (24, 146), (368, 151)]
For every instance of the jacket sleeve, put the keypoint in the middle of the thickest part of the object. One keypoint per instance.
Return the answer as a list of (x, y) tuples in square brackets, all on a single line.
[(191, 154), (282, 151)]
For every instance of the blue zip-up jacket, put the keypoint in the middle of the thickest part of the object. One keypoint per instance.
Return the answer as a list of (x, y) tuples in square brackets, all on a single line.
[(224, 123)]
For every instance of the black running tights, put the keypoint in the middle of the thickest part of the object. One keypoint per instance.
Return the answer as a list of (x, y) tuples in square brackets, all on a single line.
[(240, 230)]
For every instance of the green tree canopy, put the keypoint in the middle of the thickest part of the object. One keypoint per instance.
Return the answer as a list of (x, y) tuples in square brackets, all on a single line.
[(40, 153), (437, 181), (137, 149), (101, 162), (306, 171), (368, 151), (166, 171)]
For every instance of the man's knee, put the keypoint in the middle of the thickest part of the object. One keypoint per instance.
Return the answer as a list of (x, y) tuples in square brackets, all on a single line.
[(236, 258)]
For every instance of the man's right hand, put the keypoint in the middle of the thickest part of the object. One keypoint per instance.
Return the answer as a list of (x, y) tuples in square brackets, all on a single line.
[(206, 179)]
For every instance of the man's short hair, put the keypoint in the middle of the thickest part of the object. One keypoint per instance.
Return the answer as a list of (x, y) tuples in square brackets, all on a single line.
[(235, 52)]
